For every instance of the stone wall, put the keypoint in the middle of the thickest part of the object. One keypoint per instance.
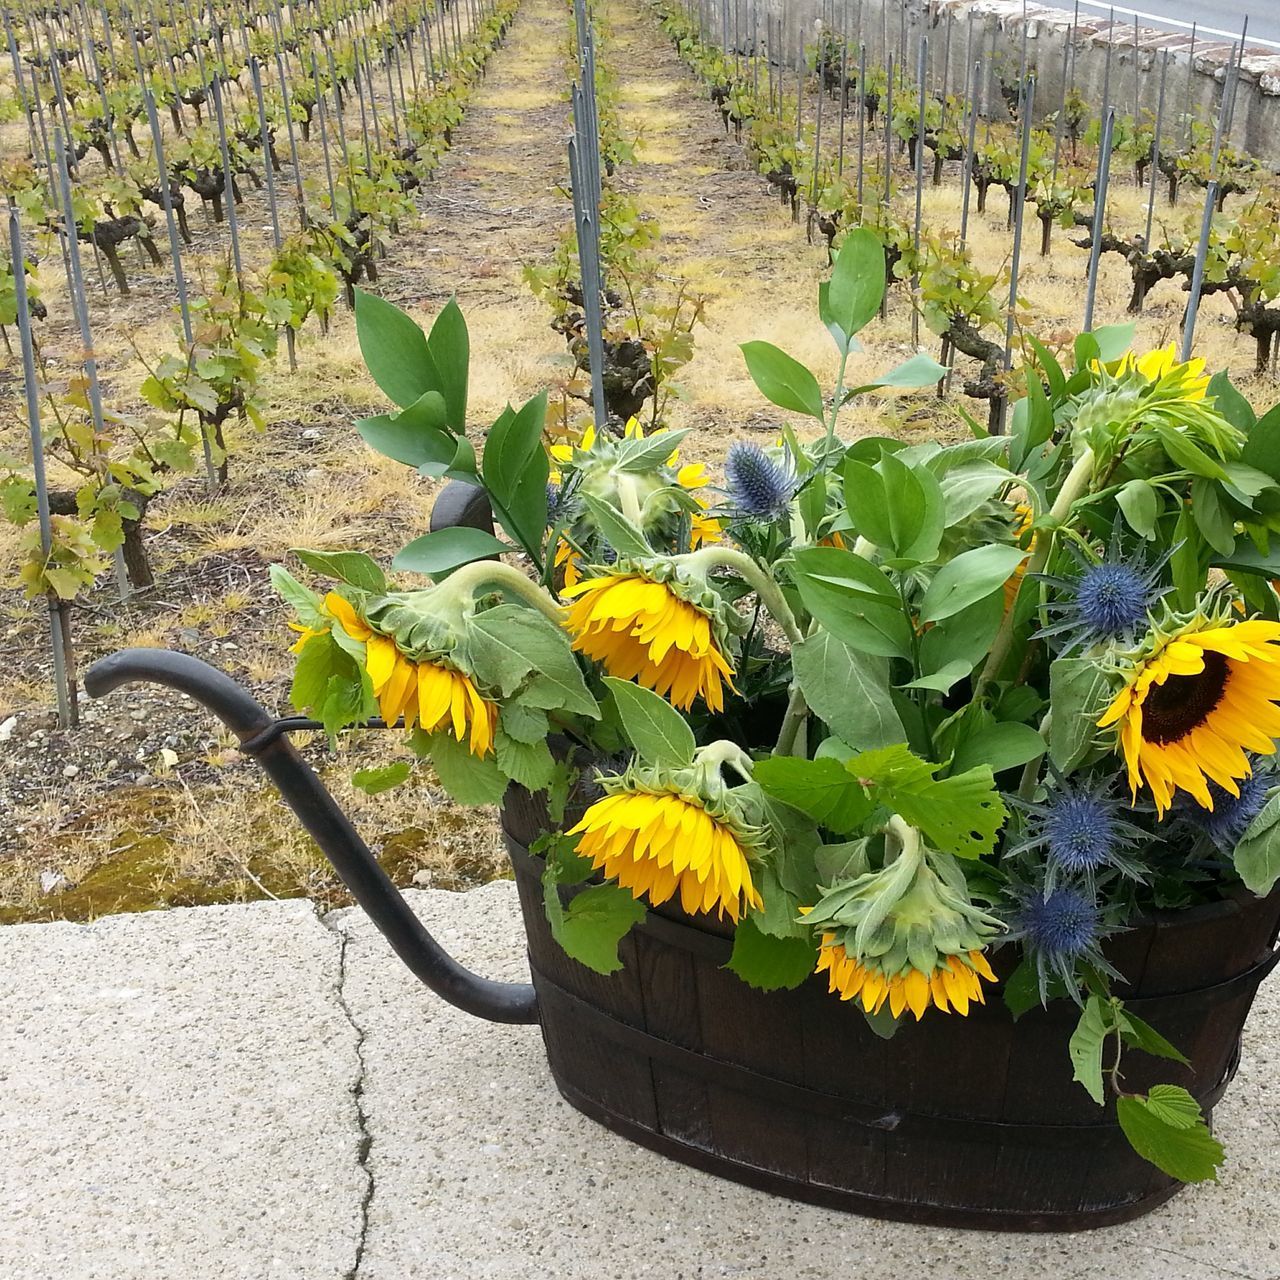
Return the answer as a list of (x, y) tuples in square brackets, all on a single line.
[(960, 31)]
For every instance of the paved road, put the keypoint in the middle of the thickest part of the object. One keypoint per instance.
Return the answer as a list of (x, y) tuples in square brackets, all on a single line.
[(1226, 17)]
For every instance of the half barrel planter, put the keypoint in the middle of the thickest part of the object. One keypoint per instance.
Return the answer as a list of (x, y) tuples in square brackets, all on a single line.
[(963, 1122)]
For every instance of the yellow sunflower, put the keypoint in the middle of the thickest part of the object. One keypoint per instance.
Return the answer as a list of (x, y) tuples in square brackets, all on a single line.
[(639, 629), (654, 845), (953, 983), (1177, 379), (1190, 709), (430, 693)]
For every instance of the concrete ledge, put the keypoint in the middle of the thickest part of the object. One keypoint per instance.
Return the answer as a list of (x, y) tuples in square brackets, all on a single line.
[(250, 1092)]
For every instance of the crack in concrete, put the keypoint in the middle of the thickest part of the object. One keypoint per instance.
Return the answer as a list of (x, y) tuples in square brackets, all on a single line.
[(365, 1145), (1200, 1262)]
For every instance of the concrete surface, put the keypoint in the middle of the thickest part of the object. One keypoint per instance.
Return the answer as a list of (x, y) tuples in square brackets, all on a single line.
[(254, 1092)]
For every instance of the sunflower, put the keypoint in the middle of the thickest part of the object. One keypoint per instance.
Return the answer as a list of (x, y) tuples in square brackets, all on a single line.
[(640, 629), (1174, 378), (1194, 703), (437, 696), (953, 982), (656, 844)]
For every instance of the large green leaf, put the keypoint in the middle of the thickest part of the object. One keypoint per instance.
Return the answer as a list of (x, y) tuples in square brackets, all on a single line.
[(969, 577), (856, 287), (394, 350), (1257, 855), (659, 733), (352, 567), (512, 648), (1086, 1044), (446, 549), (594, 923), (853, 600), (824, 789), (1167, 1129), (1079, 691), (848, 690), (782, 380), (516, 469), (1000, 745), (1262, 448), (414, 436), (450, 348), (468, 778), (767, 962)]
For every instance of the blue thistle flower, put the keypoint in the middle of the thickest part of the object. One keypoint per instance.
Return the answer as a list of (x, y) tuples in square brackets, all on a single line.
[(1230, 816), (1060, 931), (1063, 925), (759, 487), (1106, 601), (1078, 833)]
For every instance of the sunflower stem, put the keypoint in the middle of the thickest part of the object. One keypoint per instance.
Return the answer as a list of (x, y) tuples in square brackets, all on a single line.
[(466, 583), (1073, 488), (722, 752), (1031, 770), (755, 577)]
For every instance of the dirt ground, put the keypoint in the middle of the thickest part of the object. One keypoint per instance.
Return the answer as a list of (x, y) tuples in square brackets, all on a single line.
[(149, 803)]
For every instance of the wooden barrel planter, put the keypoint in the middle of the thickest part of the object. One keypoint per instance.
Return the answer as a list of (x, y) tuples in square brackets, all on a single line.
[(972, 1122)]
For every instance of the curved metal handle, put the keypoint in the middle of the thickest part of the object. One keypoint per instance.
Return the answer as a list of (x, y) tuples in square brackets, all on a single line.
[(307, 796)]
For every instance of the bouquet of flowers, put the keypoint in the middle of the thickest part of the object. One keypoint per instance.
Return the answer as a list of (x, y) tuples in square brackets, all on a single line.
[(887, 711)]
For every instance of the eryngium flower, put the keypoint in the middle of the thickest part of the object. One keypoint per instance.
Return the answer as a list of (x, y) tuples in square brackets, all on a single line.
[(1077, 831), (758, 486), (1060, 931), (640, 629), (1194, 703), (658, 844), (1230, 816)]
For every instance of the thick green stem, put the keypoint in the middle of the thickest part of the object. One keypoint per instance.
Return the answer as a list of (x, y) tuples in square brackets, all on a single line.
[(1031, 770), (717, 754), (838, 398), (492, 575), (792, 722), (760, 582), (1073, 488)]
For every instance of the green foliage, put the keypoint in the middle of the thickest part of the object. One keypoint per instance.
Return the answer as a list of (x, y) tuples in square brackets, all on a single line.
[(658, 732)]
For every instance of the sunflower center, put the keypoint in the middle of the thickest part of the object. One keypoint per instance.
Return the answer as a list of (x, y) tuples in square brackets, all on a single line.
[(1182, 703)]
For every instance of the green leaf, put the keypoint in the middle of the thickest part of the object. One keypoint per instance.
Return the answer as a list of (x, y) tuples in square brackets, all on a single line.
[(960, 815), (1021, 988), (348, 699), (964, 637), (446, 549), (857, 284), (1113, 340), (516, 468), (659, 733), (853, 600), (468, 778), (510, 646), (1160, 1130), (824, 789), (594, 923), (917, 509), (970, 577), (1187, 455), (783, 380), (1257, 855), (1230, 403), (352, 567), (524, 724), (884, 1024), (450, 350), (1079, 692), (415, 436), (304, 602), (394, 350), (1141, 1035), (624, 537), (528, 763), (1246, 558), (1086, 1044), (770, 963), (1217, 526), (1140, 506), (965, 488), (1002, 746), (942, 679), (1262, 448), (848, 690), (920, 370), (373, 782), (866, 502)]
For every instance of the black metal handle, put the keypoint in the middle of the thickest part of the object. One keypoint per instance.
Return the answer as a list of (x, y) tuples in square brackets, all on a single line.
[(307, 796)]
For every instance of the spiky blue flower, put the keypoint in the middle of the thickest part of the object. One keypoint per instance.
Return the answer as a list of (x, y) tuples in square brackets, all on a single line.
[(1076, 832), (1230, 816), (1106, 601), (760, 487), (1063, 925)]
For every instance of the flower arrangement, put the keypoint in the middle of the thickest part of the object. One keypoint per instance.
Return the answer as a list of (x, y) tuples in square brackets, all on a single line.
[(906, 717)]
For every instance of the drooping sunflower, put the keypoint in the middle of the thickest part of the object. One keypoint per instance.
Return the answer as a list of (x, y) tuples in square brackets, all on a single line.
[(659, 843), (641, 629), (1193, 702), (433, 694), (953, 983)]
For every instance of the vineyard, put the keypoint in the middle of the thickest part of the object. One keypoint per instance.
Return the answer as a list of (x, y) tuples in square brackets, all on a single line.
[(201, 204)]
